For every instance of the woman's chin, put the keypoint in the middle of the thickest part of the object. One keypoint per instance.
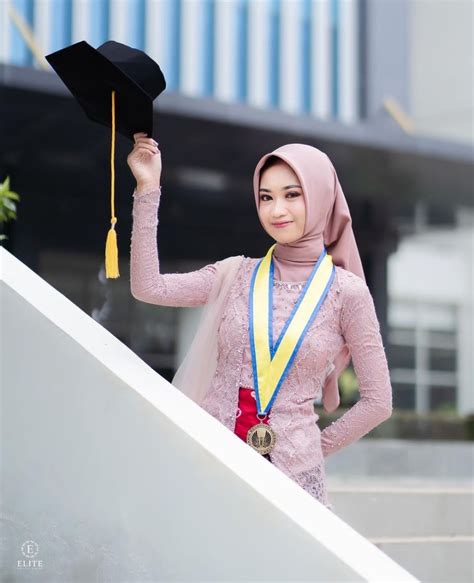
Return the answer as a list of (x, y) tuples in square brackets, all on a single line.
[(284, 239)]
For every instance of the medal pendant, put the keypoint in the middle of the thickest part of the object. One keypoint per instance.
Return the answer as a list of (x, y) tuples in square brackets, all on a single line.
[(261, 437)]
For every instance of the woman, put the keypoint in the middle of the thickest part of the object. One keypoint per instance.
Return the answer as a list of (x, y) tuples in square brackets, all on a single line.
[(308, 293)]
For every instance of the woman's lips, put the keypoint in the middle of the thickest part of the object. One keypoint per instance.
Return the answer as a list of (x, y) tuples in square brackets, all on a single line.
[(282, 225)]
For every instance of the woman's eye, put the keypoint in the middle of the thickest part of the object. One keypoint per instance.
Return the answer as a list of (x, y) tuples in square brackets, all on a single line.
[(292, 194)]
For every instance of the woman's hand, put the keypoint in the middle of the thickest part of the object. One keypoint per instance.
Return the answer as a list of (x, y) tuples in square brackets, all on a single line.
[(145, 162)]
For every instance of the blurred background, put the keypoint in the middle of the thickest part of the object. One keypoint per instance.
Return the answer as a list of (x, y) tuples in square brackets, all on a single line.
[(384, 87)]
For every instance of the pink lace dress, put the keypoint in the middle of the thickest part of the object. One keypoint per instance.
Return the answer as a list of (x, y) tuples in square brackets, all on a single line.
[(347, 316), (299, 402)]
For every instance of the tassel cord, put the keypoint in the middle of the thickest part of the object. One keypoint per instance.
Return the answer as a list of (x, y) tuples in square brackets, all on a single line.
[(111, 249)]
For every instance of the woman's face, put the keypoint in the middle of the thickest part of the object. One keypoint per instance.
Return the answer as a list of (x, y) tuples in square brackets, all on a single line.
[(282, 201)]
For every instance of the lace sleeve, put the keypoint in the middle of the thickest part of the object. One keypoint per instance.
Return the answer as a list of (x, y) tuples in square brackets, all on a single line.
[(147, 284), (361, 330)]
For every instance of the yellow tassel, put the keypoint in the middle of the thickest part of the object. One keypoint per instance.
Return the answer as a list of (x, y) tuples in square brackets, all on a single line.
[(111, 249), (111, 254)]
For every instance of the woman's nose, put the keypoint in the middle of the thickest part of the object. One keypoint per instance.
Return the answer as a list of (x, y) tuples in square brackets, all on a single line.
[(279, 208)]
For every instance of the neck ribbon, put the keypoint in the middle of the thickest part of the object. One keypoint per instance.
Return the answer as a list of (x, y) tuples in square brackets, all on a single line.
[(270, 362)]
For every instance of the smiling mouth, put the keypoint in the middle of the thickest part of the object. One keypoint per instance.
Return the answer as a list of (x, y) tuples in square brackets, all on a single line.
[(282, 224)]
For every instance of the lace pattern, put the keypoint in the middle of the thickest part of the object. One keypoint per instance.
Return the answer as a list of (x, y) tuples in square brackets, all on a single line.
[(147, 283), (361, 330), (314, 482), (347, 315)]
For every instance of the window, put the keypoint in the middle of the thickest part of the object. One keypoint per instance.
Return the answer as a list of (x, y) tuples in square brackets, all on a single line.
[(423, 355)]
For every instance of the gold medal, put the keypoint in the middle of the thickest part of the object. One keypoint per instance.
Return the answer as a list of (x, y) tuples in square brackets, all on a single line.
[(261, 437)]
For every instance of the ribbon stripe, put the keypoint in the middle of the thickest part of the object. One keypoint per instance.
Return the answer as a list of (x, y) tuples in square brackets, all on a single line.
[(271, 363)]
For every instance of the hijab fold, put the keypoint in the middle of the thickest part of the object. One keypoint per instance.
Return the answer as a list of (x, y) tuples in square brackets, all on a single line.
[(328, 224)]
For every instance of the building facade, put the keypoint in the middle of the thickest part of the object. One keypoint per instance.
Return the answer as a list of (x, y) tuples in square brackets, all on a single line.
[(360, 79)]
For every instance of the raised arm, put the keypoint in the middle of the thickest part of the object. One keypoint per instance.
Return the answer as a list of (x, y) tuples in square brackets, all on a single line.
[(146, 282), (361, 330)]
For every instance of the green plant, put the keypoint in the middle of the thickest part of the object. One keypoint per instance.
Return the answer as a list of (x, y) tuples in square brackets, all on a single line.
[(348, 386), (7, 204), (446, 408)]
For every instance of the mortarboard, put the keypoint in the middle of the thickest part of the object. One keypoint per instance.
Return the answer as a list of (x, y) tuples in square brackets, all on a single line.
[(115, 85)]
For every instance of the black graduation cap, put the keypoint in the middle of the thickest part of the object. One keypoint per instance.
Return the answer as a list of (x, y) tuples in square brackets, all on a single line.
[(115, 84), (91, 75)]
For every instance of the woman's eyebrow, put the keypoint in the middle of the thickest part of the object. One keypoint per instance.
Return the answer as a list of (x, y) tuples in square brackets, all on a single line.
[(284, 188)]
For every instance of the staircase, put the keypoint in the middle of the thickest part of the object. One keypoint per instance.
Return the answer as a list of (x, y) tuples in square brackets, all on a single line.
[(111, 474), (410, 503)]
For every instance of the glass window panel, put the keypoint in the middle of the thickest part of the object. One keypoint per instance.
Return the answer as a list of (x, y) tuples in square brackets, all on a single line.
[(400, 335), (442, 339), (442, 398), (442, 359), (401, 356), (403, 396)]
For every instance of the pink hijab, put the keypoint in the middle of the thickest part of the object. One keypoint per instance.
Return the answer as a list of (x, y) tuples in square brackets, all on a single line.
[(328, 223)]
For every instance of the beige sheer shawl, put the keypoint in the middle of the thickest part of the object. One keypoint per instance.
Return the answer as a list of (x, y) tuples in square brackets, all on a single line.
[(197, 370)]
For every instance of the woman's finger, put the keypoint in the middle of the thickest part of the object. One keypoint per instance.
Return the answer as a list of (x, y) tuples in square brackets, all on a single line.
[(148, 141), (147, 147), (142, 138)]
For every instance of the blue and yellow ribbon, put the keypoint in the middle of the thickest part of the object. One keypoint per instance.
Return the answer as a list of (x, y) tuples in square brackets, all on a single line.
[(271, 363)]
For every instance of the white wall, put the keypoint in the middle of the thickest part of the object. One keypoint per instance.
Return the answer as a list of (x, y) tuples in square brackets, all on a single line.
[(438, 266), (117, 476), (442, 65)]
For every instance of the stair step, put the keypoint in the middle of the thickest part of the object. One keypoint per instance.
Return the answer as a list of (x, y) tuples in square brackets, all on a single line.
[(413, 500), (405, 511), (392, 458), (432, 559), (420, 539)]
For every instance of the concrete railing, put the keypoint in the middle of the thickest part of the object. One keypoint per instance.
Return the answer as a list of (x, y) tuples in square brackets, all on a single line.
[(111, 474)]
